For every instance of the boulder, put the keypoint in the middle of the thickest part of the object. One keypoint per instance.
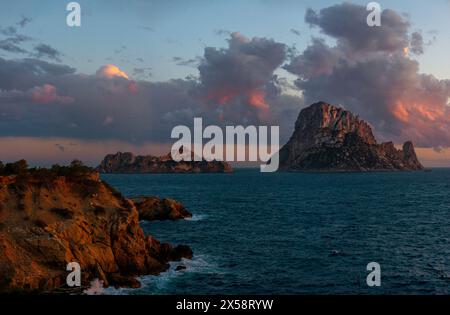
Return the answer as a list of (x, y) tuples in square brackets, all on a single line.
[(154, 208)]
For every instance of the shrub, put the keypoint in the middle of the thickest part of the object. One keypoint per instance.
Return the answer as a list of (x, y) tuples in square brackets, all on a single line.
[(75, 169), (17, 168)]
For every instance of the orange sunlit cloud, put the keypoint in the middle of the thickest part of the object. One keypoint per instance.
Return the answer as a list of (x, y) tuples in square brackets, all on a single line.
[(257, 98), (404, 112), (110, 71)]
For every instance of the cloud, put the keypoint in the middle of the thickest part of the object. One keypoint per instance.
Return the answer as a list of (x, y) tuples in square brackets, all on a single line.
[(142, 72), (368, 72), (24, 21), (147, 28), (193, 62), (12, 43), (46, 51), (317, 59), (347, 24), (222, 32), (120, 50), (23, 74), (46, 94), (60, 147), (8, 31), (105, 105), (295, 32), (109, 106), (111, 71), (417, 43), (240, 74)]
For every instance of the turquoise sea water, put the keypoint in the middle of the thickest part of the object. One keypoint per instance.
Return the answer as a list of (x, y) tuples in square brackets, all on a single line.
[(297, 233)]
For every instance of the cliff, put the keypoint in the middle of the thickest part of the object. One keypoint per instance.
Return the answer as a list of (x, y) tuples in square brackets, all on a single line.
[(128, 163), (47, 221), (329, 138)]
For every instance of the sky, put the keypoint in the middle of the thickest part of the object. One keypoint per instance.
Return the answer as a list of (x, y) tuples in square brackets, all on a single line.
[(135, 69)]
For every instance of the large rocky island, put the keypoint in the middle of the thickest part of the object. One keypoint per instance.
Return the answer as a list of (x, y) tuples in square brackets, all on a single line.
[(51, 217), (127, 162), (329, 138)]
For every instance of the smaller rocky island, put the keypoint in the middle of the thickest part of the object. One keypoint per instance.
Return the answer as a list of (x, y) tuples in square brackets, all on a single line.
[(51, 217), (329, 138), (127, 162), (157, 209)]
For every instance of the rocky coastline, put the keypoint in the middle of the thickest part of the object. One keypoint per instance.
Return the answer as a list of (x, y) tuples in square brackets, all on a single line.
[(128, 163), (51, 217)]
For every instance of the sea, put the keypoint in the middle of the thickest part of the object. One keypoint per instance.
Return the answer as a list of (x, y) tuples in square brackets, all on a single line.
[(301, 233)]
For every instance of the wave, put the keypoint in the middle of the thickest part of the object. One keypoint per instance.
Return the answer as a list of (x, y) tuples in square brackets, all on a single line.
[(197, 217), (154, 284)]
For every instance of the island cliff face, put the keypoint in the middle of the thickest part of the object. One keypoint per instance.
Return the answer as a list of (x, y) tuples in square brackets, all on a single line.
[(329, 138), (128, 163), (49, 221)]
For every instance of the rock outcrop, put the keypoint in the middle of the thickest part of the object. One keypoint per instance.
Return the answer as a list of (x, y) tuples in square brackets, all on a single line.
[(47, 222), (154, 208), (329, 138), (127, 162)]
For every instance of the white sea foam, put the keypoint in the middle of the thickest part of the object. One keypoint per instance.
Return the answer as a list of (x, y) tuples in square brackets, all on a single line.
[(96, 288), (197, 217), (199, 264)]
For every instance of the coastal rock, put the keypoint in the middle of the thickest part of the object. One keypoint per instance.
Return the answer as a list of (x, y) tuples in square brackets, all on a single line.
[(154, 208), (48, 221), (329, 138), (127, 162)]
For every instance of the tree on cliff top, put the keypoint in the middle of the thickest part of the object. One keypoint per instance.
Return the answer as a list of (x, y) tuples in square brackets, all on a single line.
[(75, 169), (17, 168)]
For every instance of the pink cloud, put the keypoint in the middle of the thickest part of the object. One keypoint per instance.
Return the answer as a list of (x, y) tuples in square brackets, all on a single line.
[(47, 94)]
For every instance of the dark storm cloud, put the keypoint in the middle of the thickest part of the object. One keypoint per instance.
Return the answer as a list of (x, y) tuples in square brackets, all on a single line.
[(369, 71)]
